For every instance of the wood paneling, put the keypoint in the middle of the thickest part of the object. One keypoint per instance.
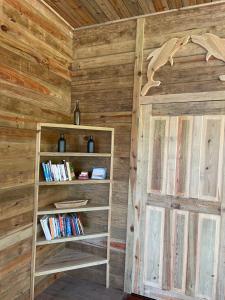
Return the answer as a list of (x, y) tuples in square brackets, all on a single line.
[(35, 86), (102, 80), (88, 12)]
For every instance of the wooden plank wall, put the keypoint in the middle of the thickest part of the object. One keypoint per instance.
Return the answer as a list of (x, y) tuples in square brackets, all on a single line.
[(35, 86), (103, 82), (103, 68)]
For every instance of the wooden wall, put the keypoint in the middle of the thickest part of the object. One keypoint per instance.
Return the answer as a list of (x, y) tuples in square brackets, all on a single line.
[(35, 85), (102, 80)]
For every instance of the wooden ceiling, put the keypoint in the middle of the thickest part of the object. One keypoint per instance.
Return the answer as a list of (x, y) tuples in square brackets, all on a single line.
[(89, 12)]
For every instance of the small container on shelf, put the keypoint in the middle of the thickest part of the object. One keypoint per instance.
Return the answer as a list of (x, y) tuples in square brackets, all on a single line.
[(90, 145), (62, 144)]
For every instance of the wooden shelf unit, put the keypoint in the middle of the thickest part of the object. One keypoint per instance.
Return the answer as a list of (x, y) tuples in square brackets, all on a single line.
[(70, 259)]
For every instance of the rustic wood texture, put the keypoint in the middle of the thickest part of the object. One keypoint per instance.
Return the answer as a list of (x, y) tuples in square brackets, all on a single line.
[(35, 84), (102, 80), (88, 12)]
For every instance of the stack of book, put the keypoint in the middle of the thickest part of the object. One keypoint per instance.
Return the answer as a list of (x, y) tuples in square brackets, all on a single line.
[(61, 226), (58, 172)]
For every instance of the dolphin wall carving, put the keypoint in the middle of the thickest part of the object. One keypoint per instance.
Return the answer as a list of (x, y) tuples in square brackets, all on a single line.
[(159, 57), (214, 45)]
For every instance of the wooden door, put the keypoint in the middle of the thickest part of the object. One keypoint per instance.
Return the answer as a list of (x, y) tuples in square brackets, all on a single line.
[(178, 250)]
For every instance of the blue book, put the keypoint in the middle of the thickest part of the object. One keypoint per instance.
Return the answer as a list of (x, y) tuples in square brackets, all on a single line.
[(44, 171), (76, 224), (68, 227), (49, 172)]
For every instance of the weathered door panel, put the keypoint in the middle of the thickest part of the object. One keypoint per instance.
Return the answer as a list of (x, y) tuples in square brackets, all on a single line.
[(181, 206)]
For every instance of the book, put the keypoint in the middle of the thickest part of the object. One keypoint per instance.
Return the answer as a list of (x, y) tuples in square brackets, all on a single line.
[(68, 227), (45, 228), (68, 171), (44, 171), (72, 173), (99, 173), (51, 227)]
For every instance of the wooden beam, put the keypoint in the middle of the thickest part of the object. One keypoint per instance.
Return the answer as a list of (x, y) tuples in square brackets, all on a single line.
[(133, 151), (185, 97)]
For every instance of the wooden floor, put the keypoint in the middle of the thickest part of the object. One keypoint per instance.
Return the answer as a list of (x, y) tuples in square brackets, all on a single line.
[(69, 288)]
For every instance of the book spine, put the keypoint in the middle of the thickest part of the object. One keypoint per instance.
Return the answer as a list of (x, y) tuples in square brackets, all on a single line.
[(65, 169), (51, 227), (68, 227), (80, 226), (45, 228), (73, 226), (44, 171), (68, 171)]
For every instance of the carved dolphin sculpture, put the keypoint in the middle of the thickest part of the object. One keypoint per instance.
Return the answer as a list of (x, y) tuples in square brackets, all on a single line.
[(214, 45), (159, 57)]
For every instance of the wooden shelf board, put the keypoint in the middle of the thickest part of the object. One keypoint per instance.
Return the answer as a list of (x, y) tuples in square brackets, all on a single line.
[(75, 154), (67, 260), (43, 241), (79, 127), (53, 210), (89, 181)]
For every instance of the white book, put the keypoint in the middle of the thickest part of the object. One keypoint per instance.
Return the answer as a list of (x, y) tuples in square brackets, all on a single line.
[(44, 225), (68, 170), (59, 172), (64, 172)]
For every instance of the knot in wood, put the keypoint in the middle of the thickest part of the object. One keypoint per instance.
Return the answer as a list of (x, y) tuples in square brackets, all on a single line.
[(132, 228), (4, 28)]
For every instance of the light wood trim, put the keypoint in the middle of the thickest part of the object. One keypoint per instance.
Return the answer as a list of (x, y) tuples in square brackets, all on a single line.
[(77, 181), (110, 211), (57, 269), (138, 66), (43, 241), (36, 191), (70, 126), (48, 211), (185, 97), (75, 154)]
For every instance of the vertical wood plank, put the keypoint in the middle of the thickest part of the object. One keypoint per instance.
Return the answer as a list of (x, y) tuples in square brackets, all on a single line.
[(207, 256), (166, 276), (210, 175), (221, 267), (110, 213), (36, 191), (155, 219), (133, 153), (192, 252), (179, 250), (141, 199), (158, 148), (184, 139), (195, 156), (172, 153)]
